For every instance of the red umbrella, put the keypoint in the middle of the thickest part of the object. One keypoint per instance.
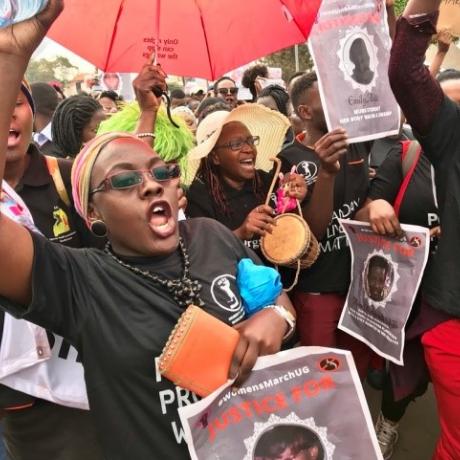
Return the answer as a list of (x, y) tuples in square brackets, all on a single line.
[(199, 38)]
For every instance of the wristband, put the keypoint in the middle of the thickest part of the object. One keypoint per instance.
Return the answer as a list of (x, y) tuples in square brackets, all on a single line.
[(287, 316)]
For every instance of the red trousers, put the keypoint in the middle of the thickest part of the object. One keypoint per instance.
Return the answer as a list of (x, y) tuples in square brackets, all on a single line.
[(442, 355), (317, 319)]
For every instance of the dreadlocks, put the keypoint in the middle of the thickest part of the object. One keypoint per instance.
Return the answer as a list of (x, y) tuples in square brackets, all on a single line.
[(210, 175), (69, 121)]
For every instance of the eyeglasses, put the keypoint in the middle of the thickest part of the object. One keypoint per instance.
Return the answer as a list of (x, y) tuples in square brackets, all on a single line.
[(225, 91), (129, 179), (238, 144)]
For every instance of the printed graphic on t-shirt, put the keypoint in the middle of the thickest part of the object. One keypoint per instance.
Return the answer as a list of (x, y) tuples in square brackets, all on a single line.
[(335, 239), (252, 244), (309, 171), (224, 294), (61, 230), (170, 400), (61, 222)]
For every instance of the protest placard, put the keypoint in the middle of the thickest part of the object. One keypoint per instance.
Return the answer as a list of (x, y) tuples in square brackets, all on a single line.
[(385, 276), (306, 401), (350, 45)]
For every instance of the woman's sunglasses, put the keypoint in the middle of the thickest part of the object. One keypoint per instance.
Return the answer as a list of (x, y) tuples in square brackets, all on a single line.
[(128, 179)]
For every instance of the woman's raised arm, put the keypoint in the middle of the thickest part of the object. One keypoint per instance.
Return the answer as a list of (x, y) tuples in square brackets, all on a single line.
[(17, 43)]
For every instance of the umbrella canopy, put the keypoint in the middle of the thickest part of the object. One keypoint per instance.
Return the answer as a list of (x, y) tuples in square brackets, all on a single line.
[(199, 38)]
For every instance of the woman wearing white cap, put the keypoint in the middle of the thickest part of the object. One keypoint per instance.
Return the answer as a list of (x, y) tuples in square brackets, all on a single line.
[(231, 182)]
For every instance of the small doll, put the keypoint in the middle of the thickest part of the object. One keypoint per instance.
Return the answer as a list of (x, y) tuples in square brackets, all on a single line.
[(285, 203)]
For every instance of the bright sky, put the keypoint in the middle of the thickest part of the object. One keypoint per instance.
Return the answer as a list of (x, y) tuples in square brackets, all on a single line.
[(50, 49)]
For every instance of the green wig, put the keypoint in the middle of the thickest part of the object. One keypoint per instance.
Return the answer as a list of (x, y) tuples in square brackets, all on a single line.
[(171, 143)]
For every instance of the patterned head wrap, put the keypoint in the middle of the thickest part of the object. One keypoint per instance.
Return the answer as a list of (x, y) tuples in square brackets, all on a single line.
[(171, 143), (83, 167), (26, 89)]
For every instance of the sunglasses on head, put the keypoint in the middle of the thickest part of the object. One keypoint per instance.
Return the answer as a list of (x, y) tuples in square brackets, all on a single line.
[(225, 91), (129, 179)]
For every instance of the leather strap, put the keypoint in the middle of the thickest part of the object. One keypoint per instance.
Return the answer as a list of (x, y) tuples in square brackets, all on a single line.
[(55, 172), (411, 151)]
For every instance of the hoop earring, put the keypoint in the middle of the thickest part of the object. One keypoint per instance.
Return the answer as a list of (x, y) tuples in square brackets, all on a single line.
[(98, 228)]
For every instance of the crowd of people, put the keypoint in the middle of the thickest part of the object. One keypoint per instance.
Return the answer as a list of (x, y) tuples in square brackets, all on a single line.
[(115, 218)]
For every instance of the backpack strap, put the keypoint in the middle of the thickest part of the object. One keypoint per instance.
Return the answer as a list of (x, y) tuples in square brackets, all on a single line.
[(55, 172), (411, 151)]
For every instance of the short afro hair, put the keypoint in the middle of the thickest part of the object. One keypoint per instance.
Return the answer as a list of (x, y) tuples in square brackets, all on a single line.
[(300, 86), (250, 75), (45, 98)]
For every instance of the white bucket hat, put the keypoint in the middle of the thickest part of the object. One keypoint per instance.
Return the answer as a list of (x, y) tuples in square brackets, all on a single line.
[(269, 125)]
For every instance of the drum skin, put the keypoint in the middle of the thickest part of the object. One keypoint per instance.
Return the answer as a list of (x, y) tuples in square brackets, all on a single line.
[(290, 242)]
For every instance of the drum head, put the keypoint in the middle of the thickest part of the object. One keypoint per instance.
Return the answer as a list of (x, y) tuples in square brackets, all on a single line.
[(289, 240)]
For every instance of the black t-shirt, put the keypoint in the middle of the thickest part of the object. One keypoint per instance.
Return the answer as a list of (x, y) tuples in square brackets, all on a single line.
[(331, 272), (57, 221), (240, 203), (120, 321), (381, 148), (418, 206), (442, 147), (52, 149)]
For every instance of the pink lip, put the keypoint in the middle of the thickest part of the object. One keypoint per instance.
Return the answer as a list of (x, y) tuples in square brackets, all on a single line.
[(13, 141)]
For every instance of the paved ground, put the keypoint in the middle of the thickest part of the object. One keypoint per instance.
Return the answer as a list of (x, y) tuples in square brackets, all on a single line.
[(419, 427)]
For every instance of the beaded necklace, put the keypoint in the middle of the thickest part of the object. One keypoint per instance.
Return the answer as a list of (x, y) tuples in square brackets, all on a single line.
[(184, 290)]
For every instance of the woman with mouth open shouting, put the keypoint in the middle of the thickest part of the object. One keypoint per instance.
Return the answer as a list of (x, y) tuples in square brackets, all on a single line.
[(118, 307)]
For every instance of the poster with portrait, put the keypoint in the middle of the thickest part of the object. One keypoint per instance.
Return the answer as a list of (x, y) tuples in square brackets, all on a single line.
[(291, 406), (121, 83), (350, 46), (385, 276)]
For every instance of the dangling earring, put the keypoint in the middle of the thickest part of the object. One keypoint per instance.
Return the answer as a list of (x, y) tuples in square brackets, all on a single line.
[(98, 228)]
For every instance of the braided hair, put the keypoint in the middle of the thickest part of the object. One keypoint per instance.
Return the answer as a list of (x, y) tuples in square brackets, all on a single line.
[(210, 175), (69, 120)]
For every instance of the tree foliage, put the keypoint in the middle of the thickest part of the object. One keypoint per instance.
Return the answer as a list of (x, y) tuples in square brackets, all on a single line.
[(399, 6), (45, 70), (286, 60)]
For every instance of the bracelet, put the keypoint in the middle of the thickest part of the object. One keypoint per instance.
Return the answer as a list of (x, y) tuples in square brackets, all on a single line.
[(141, 135), (287, 316)]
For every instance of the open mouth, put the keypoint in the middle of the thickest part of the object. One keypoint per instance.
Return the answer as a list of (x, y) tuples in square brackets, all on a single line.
[(13, 137), (161, 220), (248, 162)]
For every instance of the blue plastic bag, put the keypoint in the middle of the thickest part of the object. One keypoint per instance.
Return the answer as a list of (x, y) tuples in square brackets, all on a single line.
[(258, 285)]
